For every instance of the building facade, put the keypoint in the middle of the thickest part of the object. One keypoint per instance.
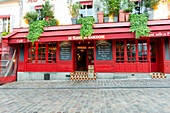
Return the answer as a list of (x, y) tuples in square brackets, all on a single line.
[(111, 52)]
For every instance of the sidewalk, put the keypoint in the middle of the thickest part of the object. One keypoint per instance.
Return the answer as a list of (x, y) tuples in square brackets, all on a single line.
[(98, 84)]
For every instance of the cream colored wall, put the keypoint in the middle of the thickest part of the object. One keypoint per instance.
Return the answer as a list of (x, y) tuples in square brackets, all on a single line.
[(13, 10), (61, 12), (161, 12)]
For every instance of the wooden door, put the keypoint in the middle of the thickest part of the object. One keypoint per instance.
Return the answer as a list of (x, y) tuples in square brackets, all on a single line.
[(153, 55)]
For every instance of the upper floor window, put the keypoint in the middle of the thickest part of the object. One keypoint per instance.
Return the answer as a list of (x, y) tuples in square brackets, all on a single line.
[(86, 10), (5, 23)]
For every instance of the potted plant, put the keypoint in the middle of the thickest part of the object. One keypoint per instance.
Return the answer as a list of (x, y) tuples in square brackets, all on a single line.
[(74, 10), (113, 7), (150, 5), (31, 16), (99, 10), (106, 17), (46, 11), (127, 12)]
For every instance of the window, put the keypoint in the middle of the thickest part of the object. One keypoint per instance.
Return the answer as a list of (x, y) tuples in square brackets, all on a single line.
[(5, 24), (41, 52), (142, 51), (131, 52), (31, 53), (86, 10), (120, 51), (153, 51), (52, 52)]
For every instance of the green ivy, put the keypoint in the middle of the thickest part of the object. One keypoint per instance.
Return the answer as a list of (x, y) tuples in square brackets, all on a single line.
[(139, 25), (86, 27), (36, 28), (5, 33)]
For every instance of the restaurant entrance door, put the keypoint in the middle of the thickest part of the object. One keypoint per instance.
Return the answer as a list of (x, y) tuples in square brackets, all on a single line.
[(84, 55)]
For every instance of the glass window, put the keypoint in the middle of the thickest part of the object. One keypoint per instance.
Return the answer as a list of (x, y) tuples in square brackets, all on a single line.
[(142, 51), (131, 52), (52, 49), (31, 53), (119, 51), (41, 52), (86, 11), (153, 51)]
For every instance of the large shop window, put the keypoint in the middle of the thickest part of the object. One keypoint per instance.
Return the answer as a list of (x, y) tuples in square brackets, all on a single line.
[(41, 52), (120, 51), (37, 53), (31, 53), (142, 51), (131, 52), (126, 51), (167, 49), (52, 52)]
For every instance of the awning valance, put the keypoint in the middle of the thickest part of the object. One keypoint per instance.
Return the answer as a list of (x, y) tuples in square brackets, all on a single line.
[(38, 7), (4, 16), (86, 3)]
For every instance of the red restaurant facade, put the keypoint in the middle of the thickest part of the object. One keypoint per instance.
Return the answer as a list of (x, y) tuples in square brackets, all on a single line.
[(112, 49)]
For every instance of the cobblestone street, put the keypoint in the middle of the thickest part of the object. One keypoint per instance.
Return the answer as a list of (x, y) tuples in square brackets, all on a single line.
[(85, 100), (44, 97)]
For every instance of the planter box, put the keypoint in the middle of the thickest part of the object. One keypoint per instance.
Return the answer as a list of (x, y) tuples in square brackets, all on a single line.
[(115, 18), (74, 20), (121, 16), (100, 17), (106, 19), (127, 16)]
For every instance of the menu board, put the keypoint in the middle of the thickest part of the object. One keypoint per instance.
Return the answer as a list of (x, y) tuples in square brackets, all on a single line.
[(65, 51), (104, 50)]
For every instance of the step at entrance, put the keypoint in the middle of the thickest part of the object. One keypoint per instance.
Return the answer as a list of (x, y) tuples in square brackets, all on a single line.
[(158, 75), (82, 76)]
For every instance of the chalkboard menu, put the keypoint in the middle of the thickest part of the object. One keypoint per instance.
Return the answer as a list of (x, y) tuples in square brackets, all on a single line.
[(65, 51), (104, 50)]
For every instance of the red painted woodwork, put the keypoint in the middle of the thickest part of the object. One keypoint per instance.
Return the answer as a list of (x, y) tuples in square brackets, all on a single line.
[(154, 57), (4, 16), (7, 79)]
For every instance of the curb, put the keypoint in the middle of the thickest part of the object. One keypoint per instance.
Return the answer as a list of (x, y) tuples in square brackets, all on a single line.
[(93, 87)]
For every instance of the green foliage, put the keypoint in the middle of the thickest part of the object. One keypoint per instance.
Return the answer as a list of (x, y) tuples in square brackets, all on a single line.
[(46, 10), (52, 22), (31, 16), (139, 25), (86, 27), (113, 6), (5, 33), (128, 10), (128, 6), (74, 9), (105, 14), (36, 28), (151, 3)]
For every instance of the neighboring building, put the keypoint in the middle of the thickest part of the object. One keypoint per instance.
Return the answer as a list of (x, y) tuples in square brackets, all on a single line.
[(9, 15), (111, 52)]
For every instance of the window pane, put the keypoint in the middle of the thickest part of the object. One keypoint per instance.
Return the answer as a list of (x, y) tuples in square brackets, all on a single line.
[(128, 54), (133, 54), (139, 48)]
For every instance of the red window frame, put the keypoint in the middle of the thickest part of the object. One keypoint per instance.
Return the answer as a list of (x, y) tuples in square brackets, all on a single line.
[(31, 53), (52, 52), (153, 51), (142, 51), (42, 52), (131, 51), (120, 48)]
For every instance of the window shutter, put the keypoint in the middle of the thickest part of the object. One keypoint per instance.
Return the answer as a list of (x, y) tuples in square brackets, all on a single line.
[(12, 21), (1, 25)]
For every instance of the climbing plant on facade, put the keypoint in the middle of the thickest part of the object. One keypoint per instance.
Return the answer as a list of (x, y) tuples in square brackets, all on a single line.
[(36, 27), (139, 25), (86, 27)]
